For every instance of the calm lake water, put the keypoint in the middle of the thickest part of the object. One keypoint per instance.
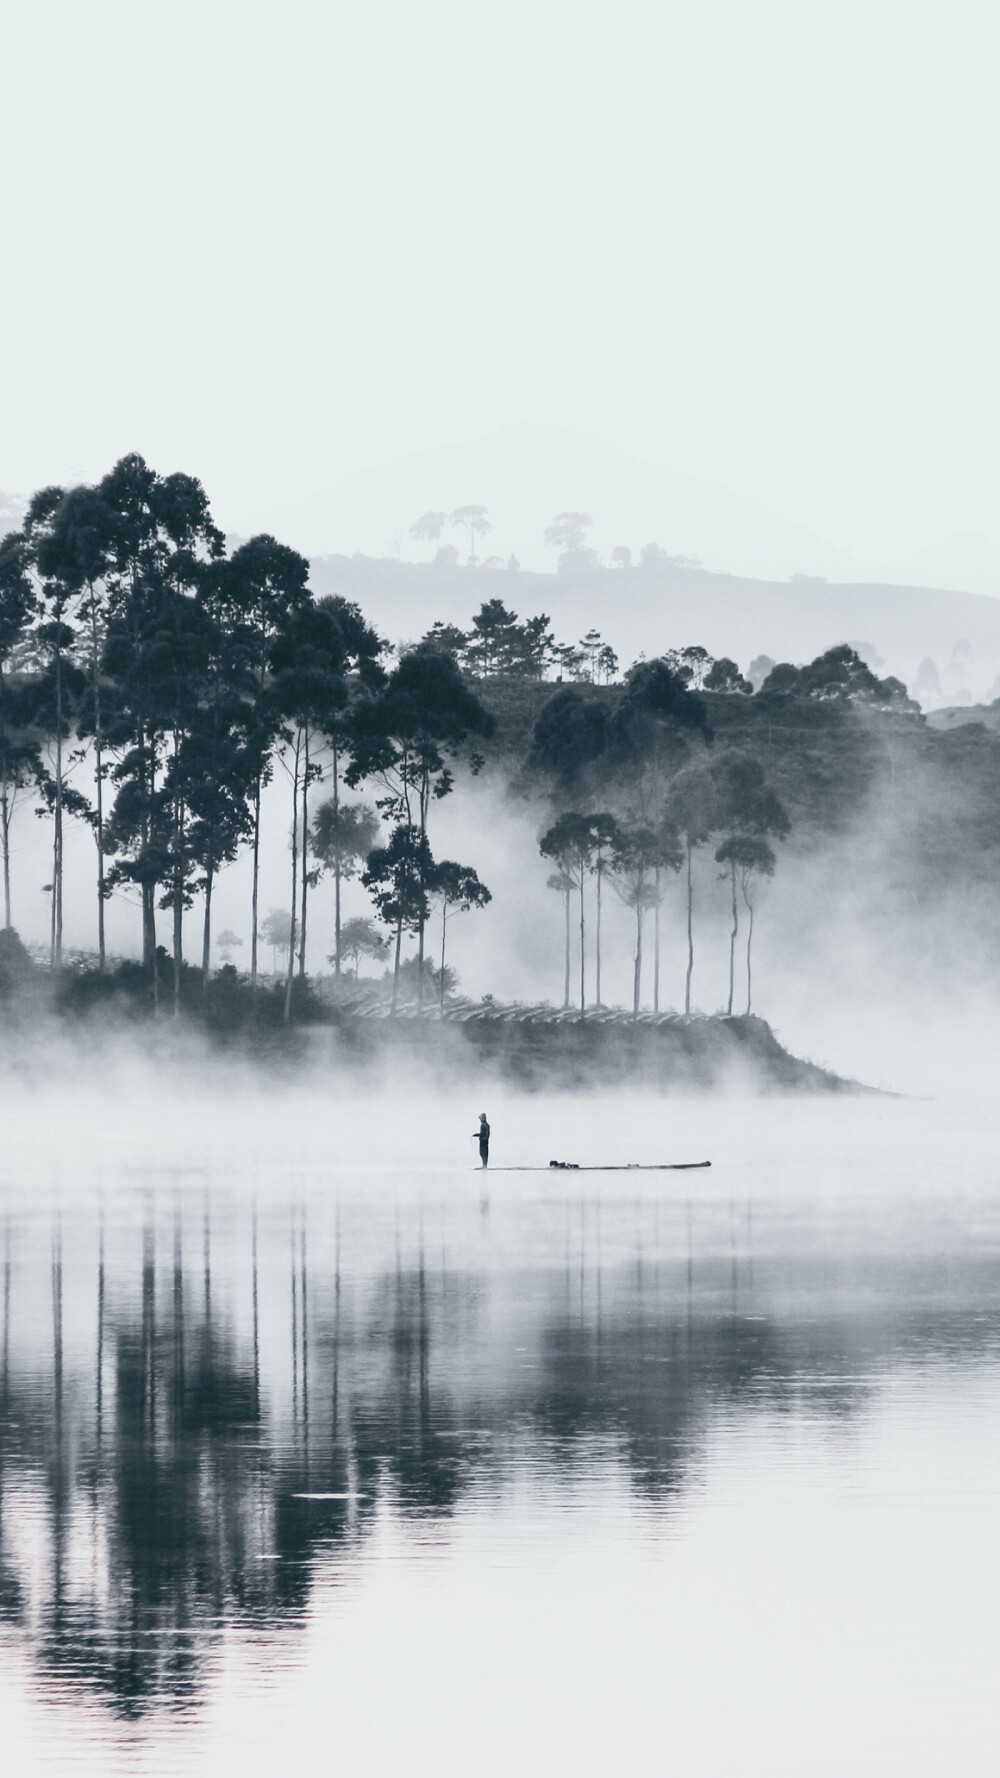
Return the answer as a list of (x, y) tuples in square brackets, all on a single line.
[(312, 1449)]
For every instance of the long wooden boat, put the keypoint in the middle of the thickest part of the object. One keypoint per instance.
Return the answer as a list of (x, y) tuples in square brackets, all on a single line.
[(628, 1167)]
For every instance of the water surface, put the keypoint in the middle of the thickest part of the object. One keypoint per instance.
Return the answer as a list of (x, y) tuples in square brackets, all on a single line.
[(314, 1446)]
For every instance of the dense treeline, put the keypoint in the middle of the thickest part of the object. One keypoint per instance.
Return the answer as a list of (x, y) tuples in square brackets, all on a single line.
[(186, 674), (668, 787), (127, 630)]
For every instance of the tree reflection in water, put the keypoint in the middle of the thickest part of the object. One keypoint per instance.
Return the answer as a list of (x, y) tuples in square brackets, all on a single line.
[(178, 1454)]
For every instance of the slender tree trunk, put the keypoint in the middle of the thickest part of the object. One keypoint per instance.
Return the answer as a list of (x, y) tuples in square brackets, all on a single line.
[(305, 856), (656, 941), (59, 884), (56, 865), (99, 763), (637, 977), (148, 925), (5, 810), (424, 801), (749, 903), (336, 864), (5, 830), (149, 889), (256, 885), (566, 969), (59, 823), (206, 936), (149, 933), (55, 947), (147, 949), (295, 878), (597, 950), (732, 940), (395, 967), (262, 635), (178, 908), (690, 967), (583, 954), (444, 935), (178, 945)]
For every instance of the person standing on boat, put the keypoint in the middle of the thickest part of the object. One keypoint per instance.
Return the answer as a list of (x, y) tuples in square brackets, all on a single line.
[(484, 1139)]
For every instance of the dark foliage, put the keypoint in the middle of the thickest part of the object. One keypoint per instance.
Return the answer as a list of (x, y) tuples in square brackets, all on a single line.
[(571, 733), (16, 968)]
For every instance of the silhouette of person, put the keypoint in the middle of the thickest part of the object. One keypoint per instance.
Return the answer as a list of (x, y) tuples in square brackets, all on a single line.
[(484, 1139)]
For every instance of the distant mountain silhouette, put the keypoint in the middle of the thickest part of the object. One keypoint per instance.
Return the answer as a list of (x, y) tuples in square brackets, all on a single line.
[(647, 610), (525, 474), (762, 588)]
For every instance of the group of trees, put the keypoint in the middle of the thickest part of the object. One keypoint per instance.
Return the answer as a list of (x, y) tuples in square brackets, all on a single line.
[(499, 645), (640, 791), (566, 533), (665, 796), (472, 520), (404, 741), (189, 676)]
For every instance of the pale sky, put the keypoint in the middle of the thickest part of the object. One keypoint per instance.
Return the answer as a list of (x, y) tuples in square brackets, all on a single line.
[(274, 244)]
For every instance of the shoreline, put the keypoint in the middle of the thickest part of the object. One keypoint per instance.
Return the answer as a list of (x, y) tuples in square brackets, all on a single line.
[(529, 1048)]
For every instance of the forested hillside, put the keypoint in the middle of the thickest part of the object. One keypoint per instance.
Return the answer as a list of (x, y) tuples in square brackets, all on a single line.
[(203, 712), (944, 644)]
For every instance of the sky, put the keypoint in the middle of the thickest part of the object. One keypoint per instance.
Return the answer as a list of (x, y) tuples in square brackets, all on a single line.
[(275, 245)]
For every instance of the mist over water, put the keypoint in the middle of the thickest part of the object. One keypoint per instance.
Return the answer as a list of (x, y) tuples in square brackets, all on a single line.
[(875, 943), (322, 1448), (318, 1443)]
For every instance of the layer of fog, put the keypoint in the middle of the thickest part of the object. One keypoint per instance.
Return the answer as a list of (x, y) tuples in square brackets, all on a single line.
[(902, 1002), (192, 1131)]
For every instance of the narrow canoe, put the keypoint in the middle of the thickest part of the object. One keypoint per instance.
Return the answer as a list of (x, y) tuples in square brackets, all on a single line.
[(629, 1167)]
